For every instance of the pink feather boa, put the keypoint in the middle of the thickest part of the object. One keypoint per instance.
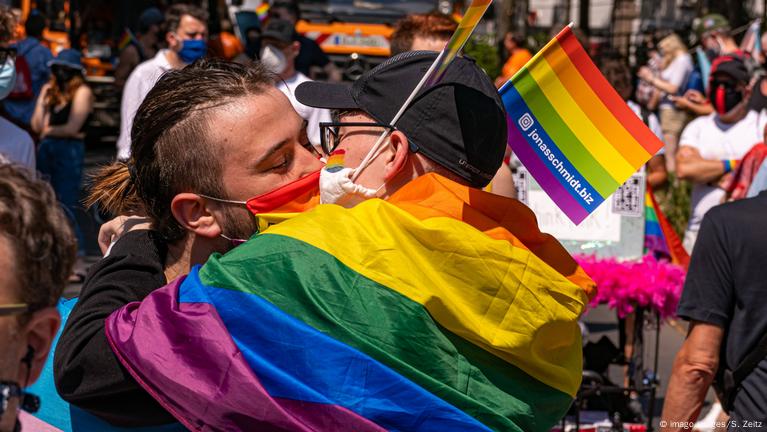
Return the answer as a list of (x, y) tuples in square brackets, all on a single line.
[(627, 284)]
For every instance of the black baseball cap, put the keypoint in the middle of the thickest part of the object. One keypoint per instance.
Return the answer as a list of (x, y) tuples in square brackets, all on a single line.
[(459, 123), (731, 65), (279, 29)]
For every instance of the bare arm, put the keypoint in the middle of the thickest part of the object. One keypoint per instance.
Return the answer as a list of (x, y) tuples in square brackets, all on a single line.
[(656, 171), (81, 107), (692, 167), (39, 120), (694, 369), (128, 60), (334, 74)]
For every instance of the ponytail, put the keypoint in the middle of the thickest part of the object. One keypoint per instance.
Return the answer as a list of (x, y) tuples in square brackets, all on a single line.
[(114, 190)]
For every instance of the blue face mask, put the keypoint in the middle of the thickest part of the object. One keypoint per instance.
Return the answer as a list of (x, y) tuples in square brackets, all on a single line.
[(7, 78), (192, 49)]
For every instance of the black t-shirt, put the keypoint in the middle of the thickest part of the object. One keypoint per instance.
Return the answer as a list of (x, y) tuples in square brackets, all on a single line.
[(726, 285), (310, 55), (86, 370)]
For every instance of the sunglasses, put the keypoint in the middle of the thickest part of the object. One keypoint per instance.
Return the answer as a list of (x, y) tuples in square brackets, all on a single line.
[(13, 309), (6, 53)]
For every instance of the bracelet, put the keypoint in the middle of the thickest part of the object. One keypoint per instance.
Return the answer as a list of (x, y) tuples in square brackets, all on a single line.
[(729, 165)]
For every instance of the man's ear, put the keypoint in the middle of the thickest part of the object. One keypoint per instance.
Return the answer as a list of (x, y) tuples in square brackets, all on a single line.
[(192, 213), (39, 332), (396, 161)]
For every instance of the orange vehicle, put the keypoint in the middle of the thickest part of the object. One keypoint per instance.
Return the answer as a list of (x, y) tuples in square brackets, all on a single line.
[(355, 33)]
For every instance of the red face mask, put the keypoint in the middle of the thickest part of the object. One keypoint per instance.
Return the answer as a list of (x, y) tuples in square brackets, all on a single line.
[(295, 197)]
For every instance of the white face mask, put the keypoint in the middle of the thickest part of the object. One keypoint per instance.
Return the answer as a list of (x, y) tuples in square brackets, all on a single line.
[(337, 184), (273, 59), (7, 77)]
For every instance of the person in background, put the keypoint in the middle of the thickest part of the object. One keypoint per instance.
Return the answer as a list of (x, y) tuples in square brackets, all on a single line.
[(37, 251), (279, 48), (712, 145), (310, 55), (16, 144), (59, 119), (144, 47), (723, 299), (186, 31), (422, 32), (676, 67), (619, 76), (518, 56), (21, 107)]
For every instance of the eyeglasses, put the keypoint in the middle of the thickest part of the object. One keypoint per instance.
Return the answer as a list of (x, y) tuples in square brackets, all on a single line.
[(8, 390), (13, 309), (330, 136), (6, 53)]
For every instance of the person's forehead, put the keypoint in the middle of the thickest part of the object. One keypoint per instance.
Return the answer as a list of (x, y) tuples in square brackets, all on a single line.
[(190, 23), (268, 119)]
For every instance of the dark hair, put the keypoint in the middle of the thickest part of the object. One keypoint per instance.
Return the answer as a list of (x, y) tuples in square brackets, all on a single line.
[(41, 239), (35, 25), (433, 25), (617, 72), (7, 24), (174, 14), (170, 150), (291, 7)]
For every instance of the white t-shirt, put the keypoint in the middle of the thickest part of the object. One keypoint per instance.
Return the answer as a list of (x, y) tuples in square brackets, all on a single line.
[(140, 81), (313, 116), (16, 144), (715, 143), (677, 73), (653, 122)]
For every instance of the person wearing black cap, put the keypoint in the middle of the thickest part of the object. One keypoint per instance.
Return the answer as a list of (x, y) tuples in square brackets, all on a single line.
[(712, 145), (456, 128), (279, 50)]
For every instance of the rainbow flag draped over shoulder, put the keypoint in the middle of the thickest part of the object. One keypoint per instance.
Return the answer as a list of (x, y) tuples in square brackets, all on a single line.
[(441, 309), (571, 130), (660, 237), (126, 39)]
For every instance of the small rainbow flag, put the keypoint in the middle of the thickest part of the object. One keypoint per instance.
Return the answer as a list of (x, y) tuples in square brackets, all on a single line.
[(660, 237), (335, 161), (126, 39), (571, 130), (465, 28), (262, 11)]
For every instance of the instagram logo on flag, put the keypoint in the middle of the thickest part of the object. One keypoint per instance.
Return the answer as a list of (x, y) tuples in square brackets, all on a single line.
[(526, 121)]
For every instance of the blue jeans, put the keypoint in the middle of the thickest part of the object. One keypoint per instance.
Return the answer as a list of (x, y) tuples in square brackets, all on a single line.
[(60, 160)]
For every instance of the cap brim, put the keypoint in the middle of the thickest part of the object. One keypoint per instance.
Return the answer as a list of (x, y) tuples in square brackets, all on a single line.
[(64, 63), (326, 95)]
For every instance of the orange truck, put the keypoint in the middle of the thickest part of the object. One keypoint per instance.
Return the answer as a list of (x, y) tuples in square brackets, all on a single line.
[(353, 33)]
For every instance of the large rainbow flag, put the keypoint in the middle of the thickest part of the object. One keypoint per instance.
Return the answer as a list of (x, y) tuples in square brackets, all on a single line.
[(443, 308), (571, 130)]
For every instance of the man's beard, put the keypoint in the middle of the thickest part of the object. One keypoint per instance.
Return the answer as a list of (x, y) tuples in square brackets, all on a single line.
[(239, 223)]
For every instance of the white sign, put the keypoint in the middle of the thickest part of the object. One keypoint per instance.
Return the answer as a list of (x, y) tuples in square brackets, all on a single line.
[(602, 225)]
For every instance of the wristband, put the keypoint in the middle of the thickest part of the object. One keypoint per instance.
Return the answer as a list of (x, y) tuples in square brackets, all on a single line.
[(729, 165)]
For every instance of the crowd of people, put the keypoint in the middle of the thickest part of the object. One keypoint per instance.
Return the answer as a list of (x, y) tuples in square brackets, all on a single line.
[(213, 151)]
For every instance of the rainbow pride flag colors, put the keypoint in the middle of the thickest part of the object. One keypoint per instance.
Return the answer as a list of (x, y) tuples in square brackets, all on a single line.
[(571, 130), (460, 315), (126, 39), (262, 11), (466, 27), (660, 237)]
